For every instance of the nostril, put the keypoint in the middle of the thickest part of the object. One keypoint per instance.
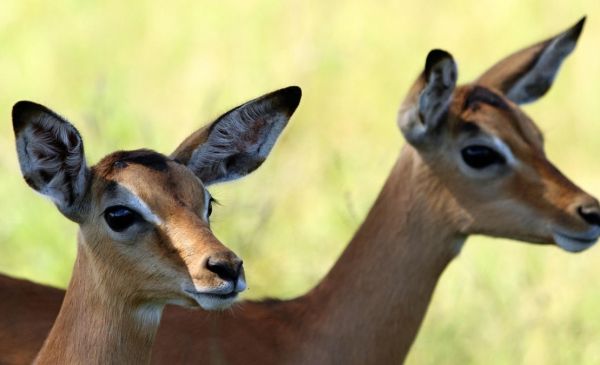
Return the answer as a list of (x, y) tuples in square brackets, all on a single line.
[(590, 214), (225, 269)]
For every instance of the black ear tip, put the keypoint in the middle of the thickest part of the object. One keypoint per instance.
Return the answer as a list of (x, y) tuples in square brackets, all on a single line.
[(289, 97), (20, 112), (23, 112), (23, 106), (578, 28), (434, 57)]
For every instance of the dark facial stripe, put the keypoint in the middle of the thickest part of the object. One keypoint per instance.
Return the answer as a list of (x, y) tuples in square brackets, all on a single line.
[(481, 94), (147, 158)]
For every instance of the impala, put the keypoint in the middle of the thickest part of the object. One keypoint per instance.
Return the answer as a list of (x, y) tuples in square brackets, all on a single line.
[(474, 164), (144, 234)]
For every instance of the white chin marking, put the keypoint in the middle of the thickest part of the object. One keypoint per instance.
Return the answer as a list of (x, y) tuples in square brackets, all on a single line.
[(572, 245)]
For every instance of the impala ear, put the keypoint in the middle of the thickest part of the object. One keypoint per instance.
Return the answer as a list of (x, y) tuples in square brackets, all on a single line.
[(429, 98), (527, 75), (50, 152), (240, 140)]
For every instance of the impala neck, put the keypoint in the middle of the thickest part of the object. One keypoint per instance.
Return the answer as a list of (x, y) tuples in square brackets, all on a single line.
[(98, 322), (375, 297)]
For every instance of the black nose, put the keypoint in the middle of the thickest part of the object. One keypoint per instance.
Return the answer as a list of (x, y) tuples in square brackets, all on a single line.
[(590, 214), (226, 267)]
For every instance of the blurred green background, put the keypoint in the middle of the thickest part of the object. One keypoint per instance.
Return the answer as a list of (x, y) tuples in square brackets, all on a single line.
[(133, 74)]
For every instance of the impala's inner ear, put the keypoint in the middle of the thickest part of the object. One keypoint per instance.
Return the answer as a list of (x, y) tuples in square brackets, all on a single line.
[(240, 140), (527, 75), (50, 152), (429, 98)]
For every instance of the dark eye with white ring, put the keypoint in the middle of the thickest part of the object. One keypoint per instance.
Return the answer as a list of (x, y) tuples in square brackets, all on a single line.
[(479, 157), (119, 217)]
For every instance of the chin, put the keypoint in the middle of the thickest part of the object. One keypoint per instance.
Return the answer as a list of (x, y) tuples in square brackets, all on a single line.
[(573, 244), (213, 302)]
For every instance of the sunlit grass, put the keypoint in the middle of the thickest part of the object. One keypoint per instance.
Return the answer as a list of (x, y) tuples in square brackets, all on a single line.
[(145, 74)]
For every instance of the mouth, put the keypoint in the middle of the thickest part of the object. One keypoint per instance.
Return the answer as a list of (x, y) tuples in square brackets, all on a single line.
[(226, 296), (213, 301), (574, 243)]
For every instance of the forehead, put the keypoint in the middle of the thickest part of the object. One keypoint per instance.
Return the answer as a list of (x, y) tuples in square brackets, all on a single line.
[(480, 108), (151, 176)]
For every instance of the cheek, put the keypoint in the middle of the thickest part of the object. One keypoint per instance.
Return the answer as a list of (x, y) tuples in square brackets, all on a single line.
[(529, 190), (481, 203), (511, 208), (157, 258)]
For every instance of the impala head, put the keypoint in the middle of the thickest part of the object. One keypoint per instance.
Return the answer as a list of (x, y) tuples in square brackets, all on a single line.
[(143, 216), (489, 155)]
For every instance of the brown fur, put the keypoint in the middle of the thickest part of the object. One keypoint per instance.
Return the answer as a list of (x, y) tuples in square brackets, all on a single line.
[(117, 292), (368, 309), (123, 277)]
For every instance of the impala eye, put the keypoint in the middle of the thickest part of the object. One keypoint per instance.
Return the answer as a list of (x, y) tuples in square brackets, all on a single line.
[(209, 210), (480, 157), (119, 217)]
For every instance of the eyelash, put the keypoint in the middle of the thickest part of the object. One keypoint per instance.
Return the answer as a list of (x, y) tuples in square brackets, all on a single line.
[(210, 206)]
